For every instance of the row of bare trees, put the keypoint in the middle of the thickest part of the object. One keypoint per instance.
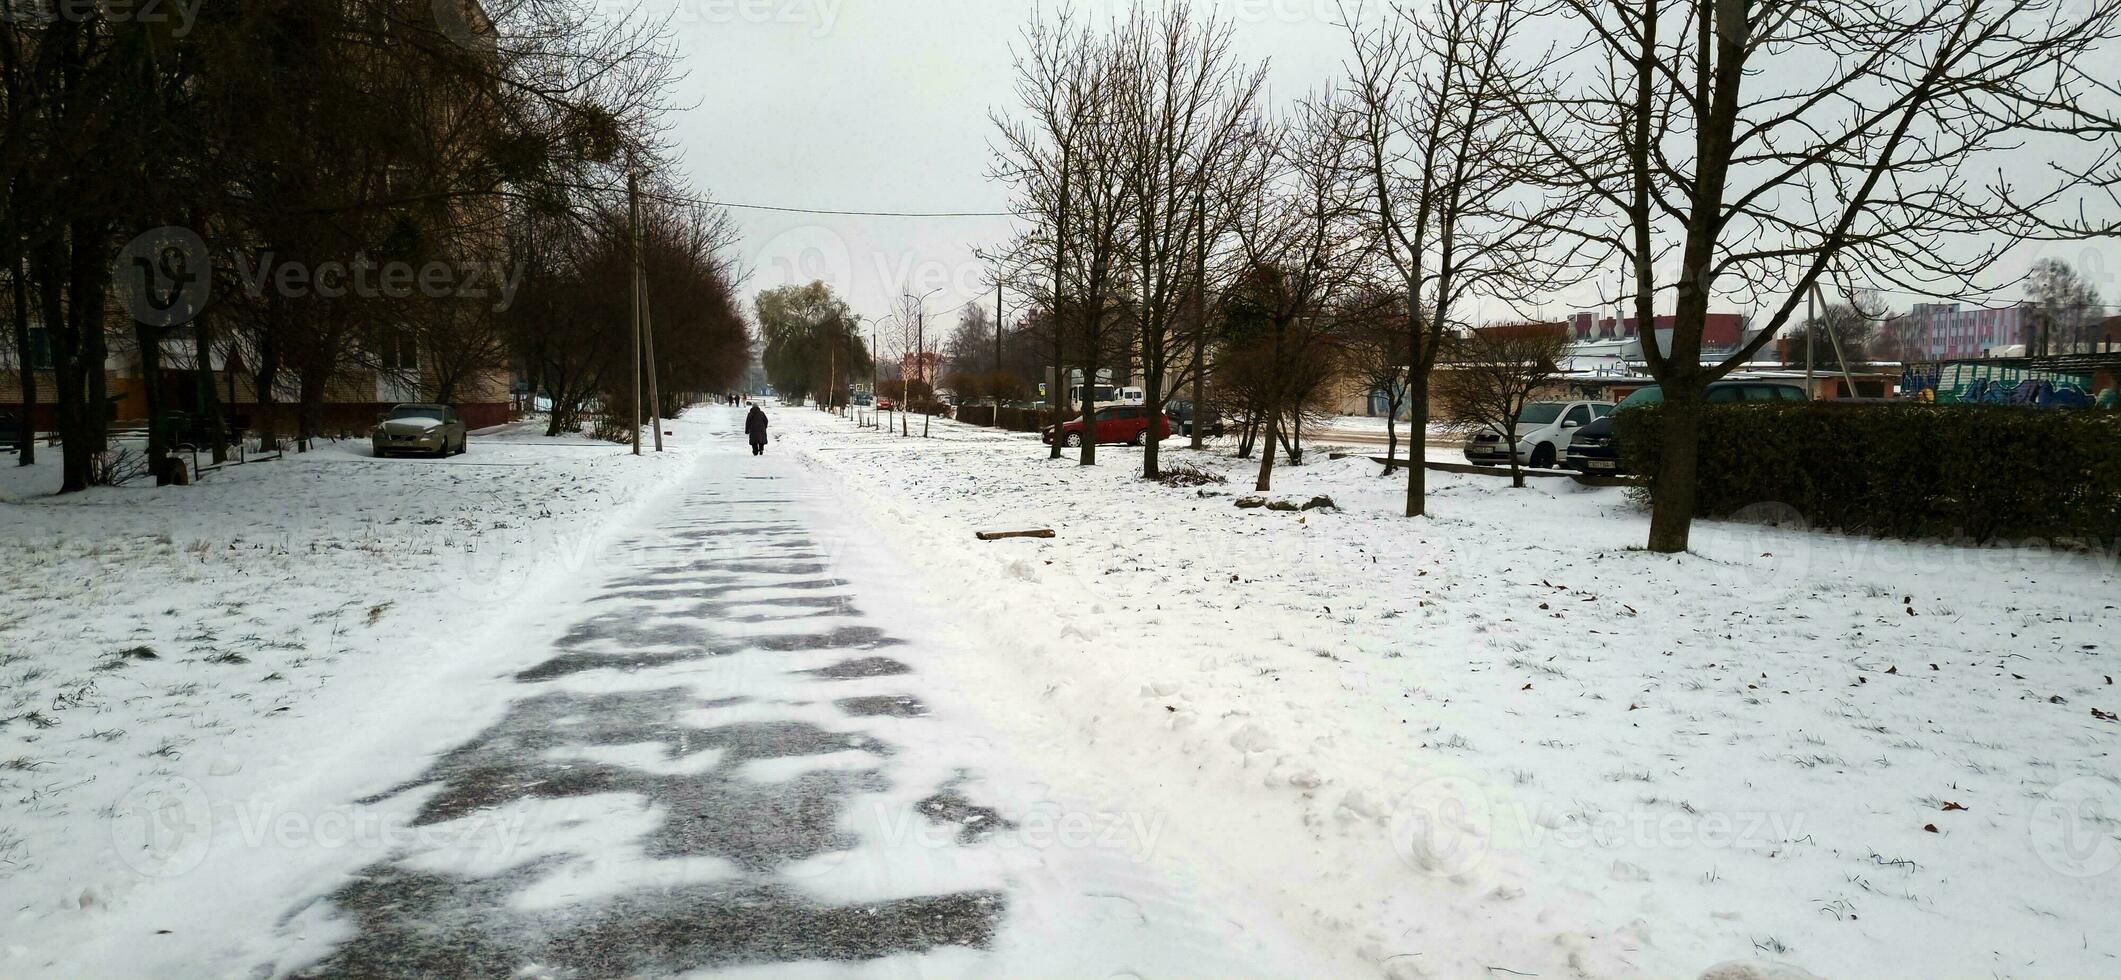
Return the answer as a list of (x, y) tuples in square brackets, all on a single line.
[(1127, 158), (1742, 152), (286, 191)]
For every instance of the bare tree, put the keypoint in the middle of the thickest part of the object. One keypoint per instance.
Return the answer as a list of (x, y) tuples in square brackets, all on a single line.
[(1495, 372), (1061, 87), (1839, 334), (1184, 119), (1298, 228), (1457, 194), (2065, 307), (1746, 150), (1377, 351)]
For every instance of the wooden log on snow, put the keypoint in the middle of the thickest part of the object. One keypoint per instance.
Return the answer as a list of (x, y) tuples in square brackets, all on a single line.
[(1040, 532)]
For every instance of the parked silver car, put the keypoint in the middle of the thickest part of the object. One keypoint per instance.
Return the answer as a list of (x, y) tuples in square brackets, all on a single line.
[(1544, 432), (435, 430)]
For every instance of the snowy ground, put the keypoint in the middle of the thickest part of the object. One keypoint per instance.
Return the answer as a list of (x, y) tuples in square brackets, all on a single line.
[(1502, 738), (1496, 739), (233, 634)]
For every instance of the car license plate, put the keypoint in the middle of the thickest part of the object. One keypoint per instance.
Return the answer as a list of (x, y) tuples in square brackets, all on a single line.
[(1601, 464)]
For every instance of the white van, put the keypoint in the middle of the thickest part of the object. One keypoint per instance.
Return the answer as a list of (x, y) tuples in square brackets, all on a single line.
[(1109, 395)]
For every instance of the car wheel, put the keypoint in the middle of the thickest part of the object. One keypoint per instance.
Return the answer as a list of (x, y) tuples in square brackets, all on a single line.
[(1072, 440), (1543, 457), (1140, 438)]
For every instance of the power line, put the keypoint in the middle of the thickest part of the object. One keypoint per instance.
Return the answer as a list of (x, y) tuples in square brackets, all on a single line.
[(784, 209)]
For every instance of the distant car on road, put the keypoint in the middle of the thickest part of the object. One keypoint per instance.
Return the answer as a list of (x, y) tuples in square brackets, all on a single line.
[(885, 404), (1118, 423), (434, 430), (1182, 415), (1597, 447), (1544, 431)]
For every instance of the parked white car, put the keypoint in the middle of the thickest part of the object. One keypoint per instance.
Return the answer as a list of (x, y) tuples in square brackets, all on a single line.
[(1544, 432)]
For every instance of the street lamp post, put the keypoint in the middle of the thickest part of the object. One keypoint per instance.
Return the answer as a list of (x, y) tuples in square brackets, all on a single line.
[(920, 349), (873, 363)]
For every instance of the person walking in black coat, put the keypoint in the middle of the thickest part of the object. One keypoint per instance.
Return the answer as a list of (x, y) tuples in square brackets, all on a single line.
[(755, 427)]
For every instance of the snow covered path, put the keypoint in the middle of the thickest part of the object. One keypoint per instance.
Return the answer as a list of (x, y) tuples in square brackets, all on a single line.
[(733, 756)]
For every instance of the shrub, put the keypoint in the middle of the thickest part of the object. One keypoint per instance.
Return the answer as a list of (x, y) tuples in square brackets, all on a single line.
[(1976, 472), (1186, 475), (116, 467)]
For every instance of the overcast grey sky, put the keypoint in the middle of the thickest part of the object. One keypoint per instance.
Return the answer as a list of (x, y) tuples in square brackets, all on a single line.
[(882, 105)]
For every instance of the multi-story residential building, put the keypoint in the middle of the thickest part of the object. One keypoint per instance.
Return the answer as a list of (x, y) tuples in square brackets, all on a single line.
[(1934, 331)]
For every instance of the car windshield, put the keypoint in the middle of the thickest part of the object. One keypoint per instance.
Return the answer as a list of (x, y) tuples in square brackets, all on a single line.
[(1541, 414), (416, 412)]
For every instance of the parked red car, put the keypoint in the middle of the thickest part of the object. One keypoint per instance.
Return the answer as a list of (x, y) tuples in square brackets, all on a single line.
[(1115, 423)]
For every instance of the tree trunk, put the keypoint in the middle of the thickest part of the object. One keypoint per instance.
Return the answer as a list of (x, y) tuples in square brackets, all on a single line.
[(25, 440), (1672, 507), (1266, 456), (79, 353), (149, 339), (265, 378), (1153, 384), (209, 398), (1417, 441), (1509, 438), (1392, 432), (1088, 454), (309, 411)]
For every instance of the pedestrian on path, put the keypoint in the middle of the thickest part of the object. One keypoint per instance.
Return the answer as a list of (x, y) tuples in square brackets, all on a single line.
[(755, 427)]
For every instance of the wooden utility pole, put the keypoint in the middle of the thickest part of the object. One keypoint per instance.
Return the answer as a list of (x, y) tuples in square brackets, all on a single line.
[(1811, 337), (655, 401), (997, 382), (633, 210)]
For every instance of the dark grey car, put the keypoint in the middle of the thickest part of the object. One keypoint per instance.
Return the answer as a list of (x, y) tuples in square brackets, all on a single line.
[(432, 430)]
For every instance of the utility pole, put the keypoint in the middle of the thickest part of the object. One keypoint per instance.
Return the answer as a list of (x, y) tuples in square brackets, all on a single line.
[(920, 350), (1848, 380), (655, 401), (997, 381), (921, 359), (633, 210), (1811, 334)]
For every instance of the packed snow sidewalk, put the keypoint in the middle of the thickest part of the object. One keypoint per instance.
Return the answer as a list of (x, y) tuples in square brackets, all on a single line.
[(232, 634), (1504, 738)]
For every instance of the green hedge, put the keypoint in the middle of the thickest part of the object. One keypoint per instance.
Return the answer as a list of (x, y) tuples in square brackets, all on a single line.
[(1978, 472)]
